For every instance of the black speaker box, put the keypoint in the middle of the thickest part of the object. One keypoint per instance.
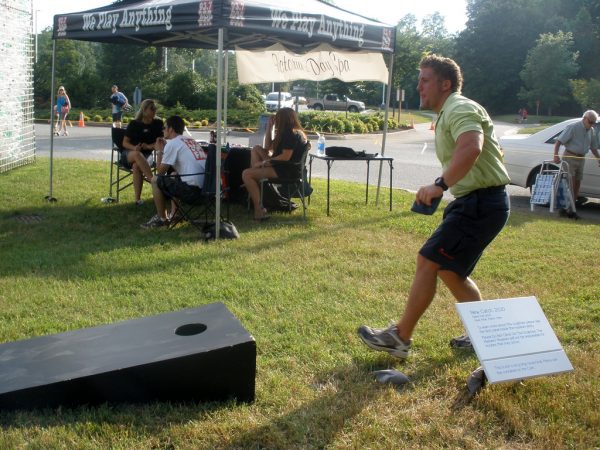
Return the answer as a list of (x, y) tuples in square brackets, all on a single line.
[(197, 354)]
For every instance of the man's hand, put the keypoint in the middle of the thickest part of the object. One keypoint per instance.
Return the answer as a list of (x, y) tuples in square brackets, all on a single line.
[(426, 193), (556, 159)]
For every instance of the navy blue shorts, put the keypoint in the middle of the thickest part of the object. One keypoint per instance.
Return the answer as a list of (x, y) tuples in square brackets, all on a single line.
[(173, 187), (470, 223)]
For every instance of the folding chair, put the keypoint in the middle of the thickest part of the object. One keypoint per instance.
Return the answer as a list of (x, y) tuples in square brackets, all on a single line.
[(120, 174), (291, 187), (192, 209)]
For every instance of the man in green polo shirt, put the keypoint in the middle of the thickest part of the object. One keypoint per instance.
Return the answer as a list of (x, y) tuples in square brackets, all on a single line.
[(474, 172)]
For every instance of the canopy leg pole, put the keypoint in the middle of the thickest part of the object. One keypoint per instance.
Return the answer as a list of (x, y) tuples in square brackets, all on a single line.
[(225, 91), (49, 197), (385, 122), (219, 134)]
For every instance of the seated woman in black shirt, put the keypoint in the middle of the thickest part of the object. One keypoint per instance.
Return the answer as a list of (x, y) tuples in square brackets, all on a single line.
[(287, 145), (140, 138)]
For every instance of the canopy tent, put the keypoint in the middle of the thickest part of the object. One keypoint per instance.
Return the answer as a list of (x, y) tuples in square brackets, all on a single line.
[(224, 25)]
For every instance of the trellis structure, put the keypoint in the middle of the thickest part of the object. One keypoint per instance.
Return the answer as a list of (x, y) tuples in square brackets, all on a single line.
[(17, 136)]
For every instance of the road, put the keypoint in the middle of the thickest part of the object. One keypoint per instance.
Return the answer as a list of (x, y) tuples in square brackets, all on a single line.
[(415, 163)]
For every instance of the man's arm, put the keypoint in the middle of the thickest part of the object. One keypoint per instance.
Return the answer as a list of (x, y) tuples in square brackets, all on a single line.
[(595, 144), (557, 145), (468, 148), (160, 145)]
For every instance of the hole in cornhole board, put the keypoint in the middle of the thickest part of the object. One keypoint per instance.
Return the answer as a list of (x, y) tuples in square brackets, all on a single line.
[(190, 329)]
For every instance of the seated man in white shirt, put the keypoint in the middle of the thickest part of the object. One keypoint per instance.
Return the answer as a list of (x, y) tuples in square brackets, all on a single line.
[(184, 156)]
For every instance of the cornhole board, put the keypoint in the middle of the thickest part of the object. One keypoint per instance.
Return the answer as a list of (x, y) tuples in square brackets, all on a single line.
[(513, 339), (196, 354)]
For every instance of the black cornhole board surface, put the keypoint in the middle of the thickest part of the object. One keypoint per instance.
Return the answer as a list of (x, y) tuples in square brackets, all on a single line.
[(135, 361)]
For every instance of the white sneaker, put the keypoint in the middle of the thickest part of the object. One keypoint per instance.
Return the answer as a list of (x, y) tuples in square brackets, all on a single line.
[(385, 340)]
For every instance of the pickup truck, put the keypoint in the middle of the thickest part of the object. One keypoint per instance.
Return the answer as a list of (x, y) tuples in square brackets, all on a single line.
[(335, 103)]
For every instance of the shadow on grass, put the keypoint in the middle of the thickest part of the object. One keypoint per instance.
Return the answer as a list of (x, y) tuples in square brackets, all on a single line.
[(344, 393), (56, 240)]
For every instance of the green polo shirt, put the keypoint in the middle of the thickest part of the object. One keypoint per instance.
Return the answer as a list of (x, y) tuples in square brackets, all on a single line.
[(457, 116)]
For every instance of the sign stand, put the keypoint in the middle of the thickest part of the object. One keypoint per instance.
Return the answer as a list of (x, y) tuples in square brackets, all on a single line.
[(513, 339)]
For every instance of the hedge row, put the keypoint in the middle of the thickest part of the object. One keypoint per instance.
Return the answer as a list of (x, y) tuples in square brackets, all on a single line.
[(316, 121)]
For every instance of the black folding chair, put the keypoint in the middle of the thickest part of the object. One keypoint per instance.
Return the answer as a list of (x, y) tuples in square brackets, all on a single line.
[(191, 209), (296, 187), (120, 172)]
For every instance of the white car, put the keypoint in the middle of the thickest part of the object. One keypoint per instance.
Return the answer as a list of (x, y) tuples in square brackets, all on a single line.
[(524, 154), (272, 101)]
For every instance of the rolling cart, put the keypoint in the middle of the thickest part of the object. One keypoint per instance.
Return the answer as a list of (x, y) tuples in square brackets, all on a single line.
[(553, 187)]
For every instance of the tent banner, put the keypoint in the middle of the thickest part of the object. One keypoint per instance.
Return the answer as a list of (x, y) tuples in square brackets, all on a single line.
[(278, 64)]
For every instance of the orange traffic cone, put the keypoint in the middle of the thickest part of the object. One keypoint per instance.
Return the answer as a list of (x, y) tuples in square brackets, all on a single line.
[(432, 127), (81, 122), (412, 123)]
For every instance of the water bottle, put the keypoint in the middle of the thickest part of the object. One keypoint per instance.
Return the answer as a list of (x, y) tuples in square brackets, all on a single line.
[(321, 145)]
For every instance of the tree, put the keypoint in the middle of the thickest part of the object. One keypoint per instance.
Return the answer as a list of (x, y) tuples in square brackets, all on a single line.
[(130, 66), (548, 68), (587, 93), (75, 68), (409, 51)]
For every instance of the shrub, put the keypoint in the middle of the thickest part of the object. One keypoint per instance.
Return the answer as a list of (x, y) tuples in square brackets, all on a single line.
[(197, 124), (360, 127), (98, 118), (348, 126), (204, 122), (336, 126), (126, 119)]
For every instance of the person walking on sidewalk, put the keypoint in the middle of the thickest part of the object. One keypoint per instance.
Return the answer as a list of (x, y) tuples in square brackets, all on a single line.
[(473, 170), (61, 109)]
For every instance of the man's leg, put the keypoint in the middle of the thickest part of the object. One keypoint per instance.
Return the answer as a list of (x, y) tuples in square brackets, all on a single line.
[(421, 294), (159, 199), (463, 289), (160, 202), (576, 187)]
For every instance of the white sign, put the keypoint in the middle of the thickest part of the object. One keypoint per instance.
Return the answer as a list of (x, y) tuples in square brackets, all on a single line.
[(513, 339), (278, 64)]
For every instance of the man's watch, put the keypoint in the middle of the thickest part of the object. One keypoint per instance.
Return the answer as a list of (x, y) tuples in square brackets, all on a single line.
[(440, 183)]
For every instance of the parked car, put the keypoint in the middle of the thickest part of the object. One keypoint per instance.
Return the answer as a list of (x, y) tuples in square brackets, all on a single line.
[(335, 102), (273, 101), (524, 154)]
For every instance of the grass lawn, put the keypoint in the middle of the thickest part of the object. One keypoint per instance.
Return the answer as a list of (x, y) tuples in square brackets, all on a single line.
[(301, 289)]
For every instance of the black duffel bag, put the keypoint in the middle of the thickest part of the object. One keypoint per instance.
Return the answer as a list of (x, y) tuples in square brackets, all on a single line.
[(343, 152)]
